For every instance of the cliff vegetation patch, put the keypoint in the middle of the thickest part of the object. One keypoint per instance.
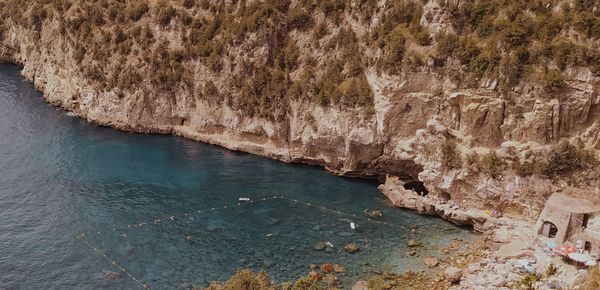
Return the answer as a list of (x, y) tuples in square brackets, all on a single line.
[(259, 56)]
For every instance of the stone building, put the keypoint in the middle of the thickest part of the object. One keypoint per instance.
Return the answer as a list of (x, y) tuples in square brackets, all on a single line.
[(571, 219)]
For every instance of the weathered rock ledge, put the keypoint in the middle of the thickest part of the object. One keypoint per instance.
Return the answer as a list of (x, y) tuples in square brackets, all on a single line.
[(450, 211)]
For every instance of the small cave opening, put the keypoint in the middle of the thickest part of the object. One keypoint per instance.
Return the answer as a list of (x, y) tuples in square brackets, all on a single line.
[(417, 186)]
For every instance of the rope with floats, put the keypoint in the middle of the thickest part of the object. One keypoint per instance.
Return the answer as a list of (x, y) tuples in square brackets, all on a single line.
[(335, 211), (242, 202), (156, 221), (113, 262)]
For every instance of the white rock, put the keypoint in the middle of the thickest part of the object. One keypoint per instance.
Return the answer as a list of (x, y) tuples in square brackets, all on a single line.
[(453, 274)]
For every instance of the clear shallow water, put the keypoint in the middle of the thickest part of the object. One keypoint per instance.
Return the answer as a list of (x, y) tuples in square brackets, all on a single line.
[(60, 176)]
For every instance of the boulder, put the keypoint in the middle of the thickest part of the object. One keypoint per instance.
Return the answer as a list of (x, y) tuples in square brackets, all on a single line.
[(473, 268), (320, 246), (431, 262), (111, 275), (338, 269), (413, 243), (361, 285), (375, 213), (453, 274), (351, 248), (273, 221)]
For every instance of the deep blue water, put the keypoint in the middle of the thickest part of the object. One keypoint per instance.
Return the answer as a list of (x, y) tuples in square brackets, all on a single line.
[(60, 176)]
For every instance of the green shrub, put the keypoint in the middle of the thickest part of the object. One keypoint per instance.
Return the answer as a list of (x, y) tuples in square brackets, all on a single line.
[(487, 60), (119, 36), (320, 31), (516, 33), (493, 165), (300, 19), (186, 18), (79, 54), (37, 15), (402, 12), (524, 169), (393, 52), (344, 38), (552, 79), (513, 66), (137, 9), (422, 37), (205, 4), (566, 158), (356, 92), (548, 26), (188, 3), (588, 23), (473, 13), (332, 6), (565, 52), (451, 158), (446, 44), (551, 270), (245, 280), (164, 13), (528, 281), (467, 49)]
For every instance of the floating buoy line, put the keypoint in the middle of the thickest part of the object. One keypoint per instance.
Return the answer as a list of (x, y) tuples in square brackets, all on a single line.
[(242, 202), (81, 238)]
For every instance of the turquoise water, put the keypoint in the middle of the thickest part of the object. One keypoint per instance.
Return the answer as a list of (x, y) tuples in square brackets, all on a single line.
[(60, 177)]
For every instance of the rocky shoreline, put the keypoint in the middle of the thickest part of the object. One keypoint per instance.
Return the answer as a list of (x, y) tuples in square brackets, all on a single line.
[(401, 141), (448, 210)]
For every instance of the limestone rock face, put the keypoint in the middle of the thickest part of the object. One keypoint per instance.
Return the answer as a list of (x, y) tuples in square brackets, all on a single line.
[(399, 139)]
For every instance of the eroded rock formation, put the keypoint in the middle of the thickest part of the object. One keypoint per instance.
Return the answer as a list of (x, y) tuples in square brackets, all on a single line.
[(414, 115)]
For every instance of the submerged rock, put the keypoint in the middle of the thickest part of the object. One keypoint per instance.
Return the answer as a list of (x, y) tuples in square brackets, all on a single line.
[(111, 275), (320, 246), (374, 213), (273, 221), (351, 248), (412, 243)]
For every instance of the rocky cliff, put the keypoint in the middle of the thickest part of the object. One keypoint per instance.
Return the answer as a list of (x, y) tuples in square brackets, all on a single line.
[(481, 140)]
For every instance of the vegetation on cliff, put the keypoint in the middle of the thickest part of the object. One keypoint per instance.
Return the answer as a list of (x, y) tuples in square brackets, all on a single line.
[(258, 56)]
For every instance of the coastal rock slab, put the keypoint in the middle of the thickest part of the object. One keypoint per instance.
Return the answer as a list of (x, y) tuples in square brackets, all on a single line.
[(431, 262), (453, 274)]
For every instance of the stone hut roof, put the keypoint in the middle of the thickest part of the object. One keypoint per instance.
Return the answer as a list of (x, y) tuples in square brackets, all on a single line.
[(571, 204)]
